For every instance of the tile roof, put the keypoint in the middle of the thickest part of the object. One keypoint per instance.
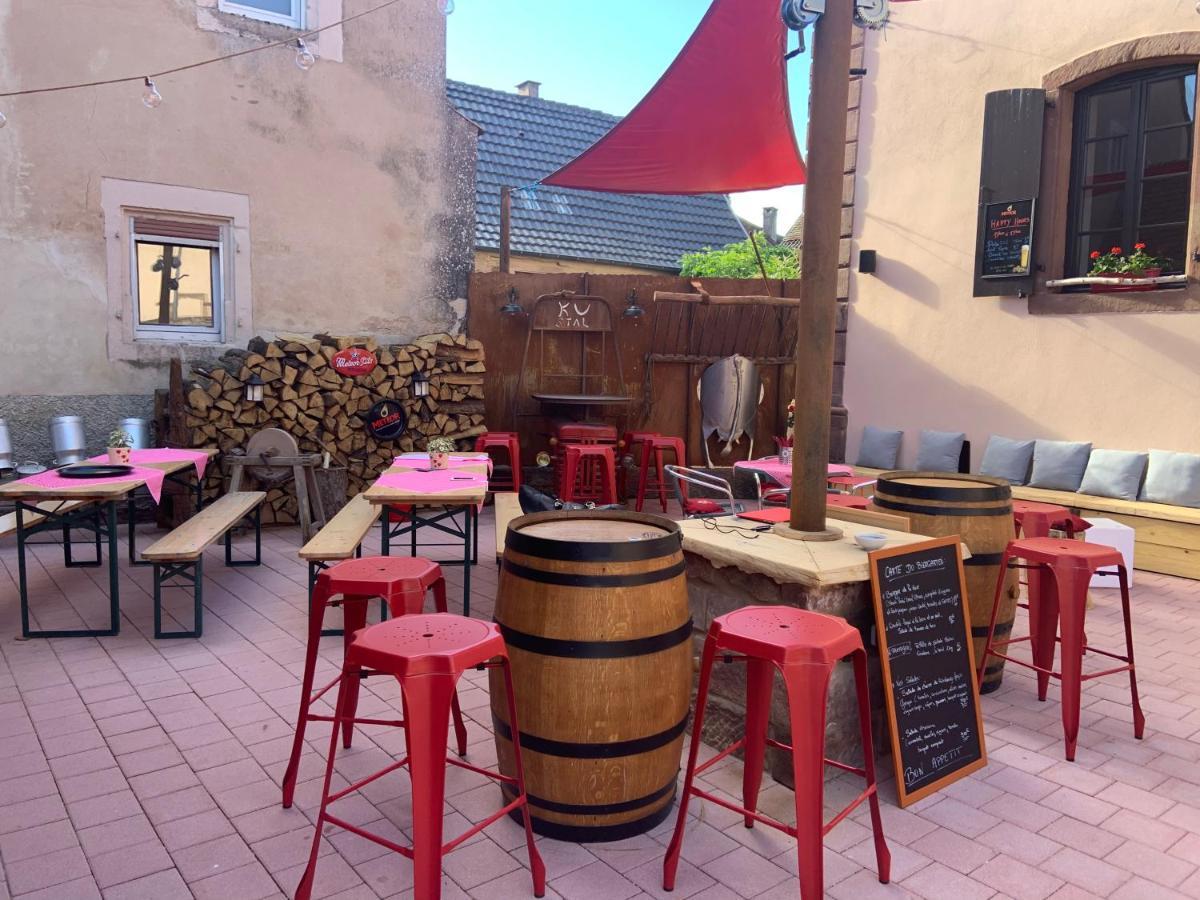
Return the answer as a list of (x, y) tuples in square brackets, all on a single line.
[(527, 138)]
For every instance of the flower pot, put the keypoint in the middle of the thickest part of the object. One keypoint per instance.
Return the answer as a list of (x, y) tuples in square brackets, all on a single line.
[(439, 460), (119, 456)]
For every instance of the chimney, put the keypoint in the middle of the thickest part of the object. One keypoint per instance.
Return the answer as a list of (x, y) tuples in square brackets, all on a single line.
[(770, 220), (528, 88)]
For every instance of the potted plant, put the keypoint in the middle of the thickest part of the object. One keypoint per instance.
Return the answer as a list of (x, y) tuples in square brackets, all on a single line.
[(120, 446), (785, 443), (1141, 264), (1107, 265), (439, 449)]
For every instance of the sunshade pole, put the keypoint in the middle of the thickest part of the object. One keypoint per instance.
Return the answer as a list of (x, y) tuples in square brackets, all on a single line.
[(819, 270)]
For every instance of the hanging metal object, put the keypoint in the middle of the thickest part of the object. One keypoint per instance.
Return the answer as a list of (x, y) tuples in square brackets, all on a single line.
[(512, 307), (632, 309), (798, 15), (871, 13)]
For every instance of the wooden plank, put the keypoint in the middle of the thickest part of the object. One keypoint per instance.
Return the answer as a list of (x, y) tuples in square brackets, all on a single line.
[(1105, 505), (343, 533), (1178, 561), (507, 507), (868, 517), (707, 300), (8, 522), (189, 539)]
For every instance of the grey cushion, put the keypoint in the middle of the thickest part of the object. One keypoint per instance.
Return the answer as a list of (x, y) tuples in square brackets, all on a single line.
[(1059, 465), (1173, 478), (1114, 473), (880, 448), (939, 451), (1007, 458)]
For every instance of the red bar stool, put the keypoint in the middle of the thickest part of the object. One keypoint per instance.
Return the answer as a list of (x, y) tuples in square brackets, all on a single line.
[(656, 447), (400, 581), (577, 486), (509, 442), (633, 443), (1035, 520), (1060, 571), (804, 647), (426, 654), (847, 501)]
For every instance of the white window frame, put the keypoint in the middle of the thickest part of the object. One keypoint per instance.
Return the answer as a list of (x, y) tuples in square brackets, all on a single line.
[(295, 20), (214, 332)]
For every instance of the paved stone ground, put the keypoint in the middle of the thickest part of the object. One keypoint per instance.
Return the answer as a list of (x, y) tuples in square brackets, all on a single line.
[(142, 769)]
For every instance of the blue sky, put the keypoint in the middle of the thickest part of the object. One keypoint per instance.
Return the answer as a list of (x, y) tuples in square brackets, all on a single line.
[(603, 55)]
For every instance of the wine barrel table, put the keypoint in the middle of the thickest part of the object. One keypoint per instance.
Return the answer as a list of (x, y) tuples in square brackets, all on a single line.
[(979, 510), (593, 607)]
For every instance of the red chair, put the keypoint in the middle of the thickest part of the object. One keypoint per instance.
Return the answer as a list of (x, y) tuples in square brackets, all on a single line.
[(509, 442), (654, 448), (804, 647), (633, 443), (1059, 574), (427, 654), (400, 581), (577, 485)]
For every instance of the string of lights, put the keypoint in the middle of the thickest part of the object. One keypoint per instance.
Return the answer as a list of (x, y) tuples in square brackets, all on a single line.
[(152, 99)]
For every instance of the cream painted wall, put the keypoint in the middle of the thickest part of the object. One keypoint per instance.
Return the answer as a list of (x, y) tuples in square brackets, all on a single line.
[(349, 170), (922, 353), (489, 261)]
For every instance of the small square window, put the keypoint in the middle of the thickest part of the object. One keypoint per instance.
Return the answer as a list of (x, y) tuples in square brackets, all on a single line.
[(176, 278), (280, 12)]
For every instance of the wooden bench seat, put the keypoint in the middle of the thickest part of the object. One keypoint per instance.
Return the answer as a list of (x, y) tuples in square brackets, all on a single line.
[(8, 522), (180, 555), (1166, 537), (343, 534), (507, 507)]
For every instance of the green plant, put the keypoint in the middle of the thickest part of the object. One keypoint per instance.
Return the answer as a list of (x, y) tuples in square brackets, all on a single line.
[(1139, 261), (440, 445), (738, 261), (1107, 263), (119, 438)]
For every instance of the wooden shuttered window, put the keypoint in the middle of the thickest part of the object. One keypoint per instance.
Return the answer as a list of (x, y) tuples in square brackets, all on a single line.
[(173, 228), (1010, 173)]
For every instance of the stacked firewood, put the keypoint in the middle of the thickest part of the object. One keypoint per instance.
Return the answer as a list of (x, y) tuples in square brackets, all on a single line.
[(326, 412)]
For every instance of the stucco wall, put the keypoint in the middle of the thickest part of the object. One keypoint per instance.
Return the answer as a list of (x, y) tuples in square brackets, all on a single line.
[(359, 176), (922, 352)]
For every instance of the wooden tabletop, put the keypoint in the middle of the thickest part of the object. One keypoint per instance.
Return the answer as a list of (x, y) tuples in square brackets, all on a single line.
[(581, 399), (471, 495), (114, 490)]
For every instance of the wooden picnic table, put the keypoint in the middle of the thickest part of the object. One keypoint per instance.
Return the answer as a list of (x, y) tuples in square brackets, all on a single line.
[(36, 500), (445, 503)]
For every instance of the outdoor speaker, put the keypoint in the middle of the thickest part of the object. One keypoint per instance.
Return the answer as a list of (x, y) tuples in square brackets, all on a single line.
[(866, 262)]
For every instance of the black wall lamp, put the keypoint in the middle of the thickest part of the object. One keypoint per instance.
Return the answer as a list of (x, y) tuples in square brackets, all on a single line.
[(512, 307), (632, 309)]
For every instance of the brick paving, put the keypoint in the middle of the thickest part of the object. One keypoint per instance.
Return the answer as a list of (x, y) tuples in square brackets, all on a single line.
[(142, 769)]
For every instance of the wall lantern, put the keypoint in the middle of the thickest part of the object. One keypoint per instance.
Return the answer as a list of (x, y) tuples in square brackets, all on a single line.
[(512, 307), (633, 310), (254, 388), (420, 385)]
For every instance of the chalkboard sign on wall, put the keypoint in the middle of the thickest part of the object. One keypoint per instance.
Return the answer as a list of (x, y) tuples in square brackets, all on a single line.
[(1008, 239), (924, 637)]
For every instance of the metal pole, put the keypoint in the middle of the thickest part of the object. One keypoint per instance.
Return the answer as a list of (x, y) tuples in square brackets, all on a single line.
[(819, 268), (505, 229)]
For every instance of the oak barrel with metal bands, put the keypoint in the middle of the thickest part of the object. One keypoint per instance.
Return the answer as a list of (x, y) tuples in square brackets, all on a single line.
[(979, 509), (594, 610)]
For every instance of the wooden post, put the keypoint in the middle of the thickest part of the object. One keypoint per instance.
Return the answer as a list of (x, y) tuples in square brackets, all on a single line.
[(819, 269), (505, 229)]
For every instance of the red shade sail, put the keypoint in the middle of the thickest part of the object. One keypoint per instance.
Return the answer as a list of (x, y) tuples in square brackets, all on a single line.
[(718, 120)]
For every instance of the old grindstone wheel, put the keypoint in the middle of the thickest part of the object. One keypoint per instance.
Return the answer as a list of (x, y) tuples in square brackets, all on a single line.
[(272, 458)]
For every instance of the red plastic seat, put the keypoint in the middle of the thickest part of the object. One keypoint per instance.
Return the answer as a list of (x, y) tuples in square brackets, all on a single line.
[(426, 654), (847, 501), (1060, 572), (402, 582), (804, 647), (654, 449), (577, 485), (509, 442)]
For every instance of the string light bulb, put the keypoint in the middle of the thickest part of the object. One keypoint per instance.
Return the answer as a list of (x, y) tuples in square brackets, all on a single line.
[(445, 7), (151, 98), (305, 59), (3, 120)]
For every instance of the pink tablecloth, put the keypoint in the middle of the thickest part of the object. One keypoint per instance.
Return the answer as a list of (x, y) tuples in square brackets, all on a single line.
[(457, 460), (153, 479), (438, 482), (781, 472), (164, 455)]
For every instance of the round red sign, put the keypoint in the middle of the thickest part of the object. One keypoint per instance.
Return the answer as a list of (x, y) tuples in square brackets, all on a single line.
[(354, 361)]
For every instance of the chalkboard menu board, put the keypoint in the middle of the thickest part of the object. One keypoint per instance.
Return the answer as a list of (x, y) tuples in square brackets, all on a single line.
[(924, 636), (1008, 239)]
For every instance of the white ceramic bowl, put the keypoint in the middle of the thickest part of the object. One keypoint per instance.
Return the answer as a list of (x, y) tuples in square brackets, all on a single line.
[(870, 540)]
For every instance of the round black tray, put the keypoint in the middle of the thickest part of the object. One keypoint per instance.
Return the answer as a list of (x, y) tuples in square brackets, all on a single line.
[(94, 470)]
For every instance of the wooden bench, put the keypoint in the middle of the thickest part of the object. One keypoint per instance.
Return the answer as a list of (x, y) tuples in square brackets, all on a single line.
[(54, 513), (507, 507), (181, 553), (1166, 537), (341, 538)]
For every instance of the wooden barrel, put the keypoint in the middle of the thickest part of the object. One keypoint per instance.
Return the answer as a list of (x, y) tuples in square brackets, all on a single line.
[(594, 610), (979, 509)]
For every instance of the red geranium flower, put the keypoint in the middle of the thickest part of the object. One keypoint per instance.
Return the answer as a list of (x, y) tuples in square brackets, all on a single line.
[(1116, 250), (1139, 246), (1095, 254)]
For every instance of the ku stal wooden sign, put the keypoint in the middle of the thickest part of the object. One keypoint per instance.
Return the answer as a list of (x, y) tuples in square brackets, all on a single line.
[(354, 361), (923, 631)]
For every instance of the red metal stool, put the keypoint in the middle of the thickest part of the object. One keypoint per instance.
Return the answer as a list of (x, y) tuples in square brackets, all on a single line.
[(577, 486), (1060, 571), (400, 581), (426, 654), (847, 501), (579, 433), (804, 647), (510, 443), (656, 447), (633, 443), (1035, 520)]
